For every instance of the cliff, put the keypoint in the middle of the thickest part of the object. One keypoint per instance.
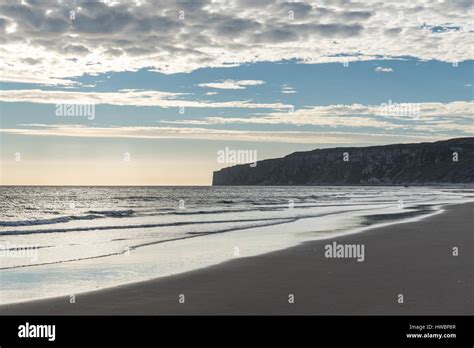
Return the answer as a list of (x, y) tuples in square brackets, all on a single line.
[(449, 161)]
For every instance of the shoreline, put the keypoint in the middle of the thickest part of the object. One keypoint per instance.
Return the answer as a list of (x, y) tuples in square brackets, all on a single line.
[(423, 270), (417, 215), (232, 239)]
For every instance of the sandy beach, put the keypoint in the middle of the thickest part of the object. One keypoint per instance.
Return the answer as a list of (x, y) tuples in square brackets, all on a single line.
[(411, 259)]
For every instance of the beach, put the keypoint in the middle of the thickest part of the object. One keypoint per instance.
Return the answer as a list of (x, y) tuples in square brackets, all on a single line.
[(408, 268)]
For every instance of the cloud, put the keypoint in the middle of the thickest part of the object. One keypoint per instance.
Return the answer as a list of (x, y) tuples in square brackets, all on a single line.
[(213, 134), (285, 89), (434, 117), (125, 97), (182, 36), (232, 84), (383, 70)]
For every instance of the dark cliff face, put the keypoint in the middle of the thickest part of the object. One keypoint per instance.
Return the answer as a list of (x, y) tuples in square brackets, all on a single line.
[(421, 163)]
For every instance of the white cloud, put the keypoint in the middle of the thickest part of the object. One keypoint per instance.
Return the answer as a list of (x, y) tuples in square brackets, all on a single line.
[(124, 97), (285, 89), (125, 36), (435, 117), (383, 70), (214, 134), (232, 84)]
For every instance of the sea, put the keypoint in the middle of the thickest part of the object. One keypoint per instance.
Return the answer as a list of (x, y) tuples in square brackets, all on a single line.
[(66, 240)]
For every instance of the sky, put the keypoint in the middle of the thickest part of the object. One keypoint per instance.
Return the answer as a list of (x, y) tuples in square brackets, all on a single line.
[(150, 92)]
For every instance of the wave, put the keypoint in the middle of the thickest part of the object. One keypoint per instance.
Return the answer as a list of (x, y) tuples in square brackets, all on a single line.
[(222, 211), (379, 218), (48, 221), (178, 223), (92, 214), (113, 213), (226, 201), (99, 214), (171, 224), (119, 227), (187, 236)]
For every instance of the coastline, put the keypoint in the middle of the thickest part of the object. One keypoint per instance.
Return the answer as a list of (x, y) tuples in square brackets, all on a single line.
[(413, 259)]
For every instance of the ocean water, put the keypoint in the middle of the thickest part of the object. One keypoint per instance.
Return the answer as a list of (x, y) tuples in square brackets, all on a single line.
[(64, 240)]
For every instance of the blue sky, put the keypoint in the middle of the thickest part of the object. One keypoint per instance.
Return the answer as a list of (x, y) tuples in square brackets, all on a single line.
[(166, 101)]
